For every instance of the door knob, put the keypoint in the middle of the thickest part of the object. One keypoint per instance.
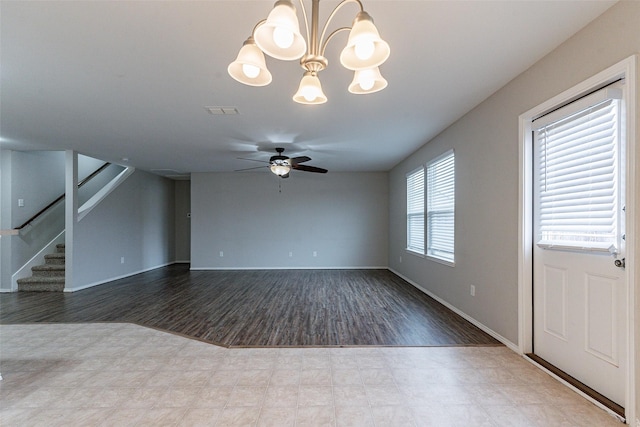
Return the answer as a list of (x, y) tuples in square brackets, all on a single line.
[(619, 263)]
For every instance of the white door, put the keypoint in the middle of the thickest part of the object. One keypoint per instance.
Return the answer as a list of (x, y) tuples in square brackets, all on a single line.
[(579, 291)]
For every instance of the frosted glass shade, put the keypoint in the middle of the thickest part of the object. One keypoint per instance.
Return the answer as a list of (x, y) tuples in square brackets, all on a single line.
[(250, 67), (279, 36), (310, 90), (280, 169), (367, 81), (365, 49)]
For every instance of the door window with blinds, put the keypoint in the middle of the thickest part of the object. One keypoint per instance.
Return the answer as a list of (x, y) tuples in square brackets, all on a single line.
[(415, 211), (577, 151), (441, 207)]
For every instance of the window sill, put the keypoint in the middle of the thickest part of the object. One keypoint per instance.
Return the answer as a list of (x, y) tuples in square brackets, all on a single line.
[(441, 261), (416, 253)]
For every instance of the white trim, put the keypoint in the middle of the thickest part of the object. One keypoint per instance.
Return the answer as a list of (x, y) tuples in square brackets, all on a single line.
[(575, 389), (624, 69), (37, 259), (441, 260), (104, 192), (314, 267), (460, 313), (416, 253), (102, 282)]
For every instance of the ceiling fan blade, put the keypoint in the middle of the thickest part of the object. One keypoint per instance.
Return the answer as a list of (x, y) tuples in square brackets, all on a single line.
[(248, 169), (253, 160), (301, 159), (309, 169)]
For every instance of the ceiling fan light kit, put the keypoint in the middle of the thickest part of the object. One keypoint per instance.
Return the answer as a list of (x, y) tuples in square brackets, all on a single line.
[(279, 37), (281, 165), (280, 169)]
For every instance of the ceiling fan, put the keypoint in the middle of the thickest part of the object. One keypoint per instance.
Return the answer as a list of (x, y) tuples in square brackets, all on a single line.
[(281, 165)]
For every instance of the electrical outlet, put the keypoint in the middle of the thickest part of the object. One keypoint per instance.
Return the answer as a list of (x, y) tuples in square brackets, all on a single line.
[(21, 203), (121, 260), (315, 253), (221, 254), (290, 254), (472, 290)]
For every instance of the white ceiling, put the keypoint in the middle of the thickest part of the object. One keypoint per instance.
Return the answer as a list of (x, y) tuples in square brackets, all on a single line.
[(131, 79)]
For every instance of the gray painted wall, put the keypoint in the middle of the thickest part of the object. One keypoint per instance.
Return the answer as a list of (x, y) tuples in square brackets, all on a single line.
[(343, 217), (37, 177), (486, 146), (183, 223), (136, 222)]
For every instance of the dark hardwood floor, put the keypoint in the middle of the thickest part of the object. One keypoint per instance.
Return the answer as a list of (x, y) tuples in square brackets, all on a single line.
[(260, 308)]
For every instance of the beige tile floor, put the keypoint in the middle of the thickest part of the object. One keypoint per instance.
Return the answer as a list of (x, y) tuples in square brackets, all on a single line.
[(118, 374)]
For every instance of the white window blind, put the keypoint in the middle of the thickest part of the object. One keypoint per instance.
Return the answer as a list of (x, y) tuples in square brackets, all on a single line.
[(415, 210), (441, 207), (578, 179)]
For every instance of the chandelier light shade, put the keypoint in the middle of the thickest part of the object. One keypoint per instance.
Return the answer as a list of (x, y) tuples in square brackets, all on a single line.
[(365, 49), (279, 37), (310, 90), (367, 81), (250, 67)]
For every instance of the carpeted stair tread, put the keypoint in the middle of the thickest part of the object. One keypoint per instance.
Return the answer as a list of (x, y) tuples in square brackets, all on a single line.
[(33, 279), (55, 258), (41, 284), (48, 270), (49, 277)]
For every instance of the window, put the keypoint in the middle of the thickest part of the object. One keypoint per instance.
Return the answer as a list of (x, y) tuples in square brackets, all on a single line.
[(441, 207), (415, 211), (578, 168)]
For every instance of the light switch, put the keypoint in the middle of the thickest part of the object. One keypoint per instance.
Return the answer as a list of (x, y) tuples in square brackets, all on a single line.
[(21, 203)]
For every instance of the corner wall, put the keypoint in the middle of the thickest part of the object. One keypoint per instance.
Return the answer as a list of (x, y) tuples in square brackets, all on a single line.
[(342, 217), (134, 223)]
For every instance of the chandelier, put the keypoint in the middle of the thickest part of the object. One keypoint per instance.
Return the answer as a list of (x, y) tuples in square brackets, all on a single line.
[(279, 37)]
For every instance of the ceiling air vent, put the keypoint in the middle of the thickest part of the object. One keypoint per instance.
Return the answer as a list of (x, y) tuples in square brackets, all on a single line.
[(222, 111)]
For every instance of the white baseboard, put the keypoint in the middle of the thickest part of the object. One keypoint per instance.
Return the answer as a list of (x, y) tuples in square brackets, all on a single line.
[(316, 267), (102, 282), (462, 314)]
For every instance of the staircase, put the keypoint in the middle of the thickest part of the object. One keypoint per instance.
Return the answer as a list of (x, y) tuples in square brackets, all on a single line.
[(48, 277)]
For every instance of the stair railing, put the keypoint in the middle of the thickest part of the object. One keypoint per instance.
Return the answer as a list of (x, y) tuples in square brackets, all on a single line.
[(50, 205)]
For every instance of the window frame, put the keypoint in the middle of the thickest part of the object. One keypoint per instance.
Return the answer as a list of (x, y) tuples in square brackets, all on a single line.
[(410, 214), (429, 213)]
